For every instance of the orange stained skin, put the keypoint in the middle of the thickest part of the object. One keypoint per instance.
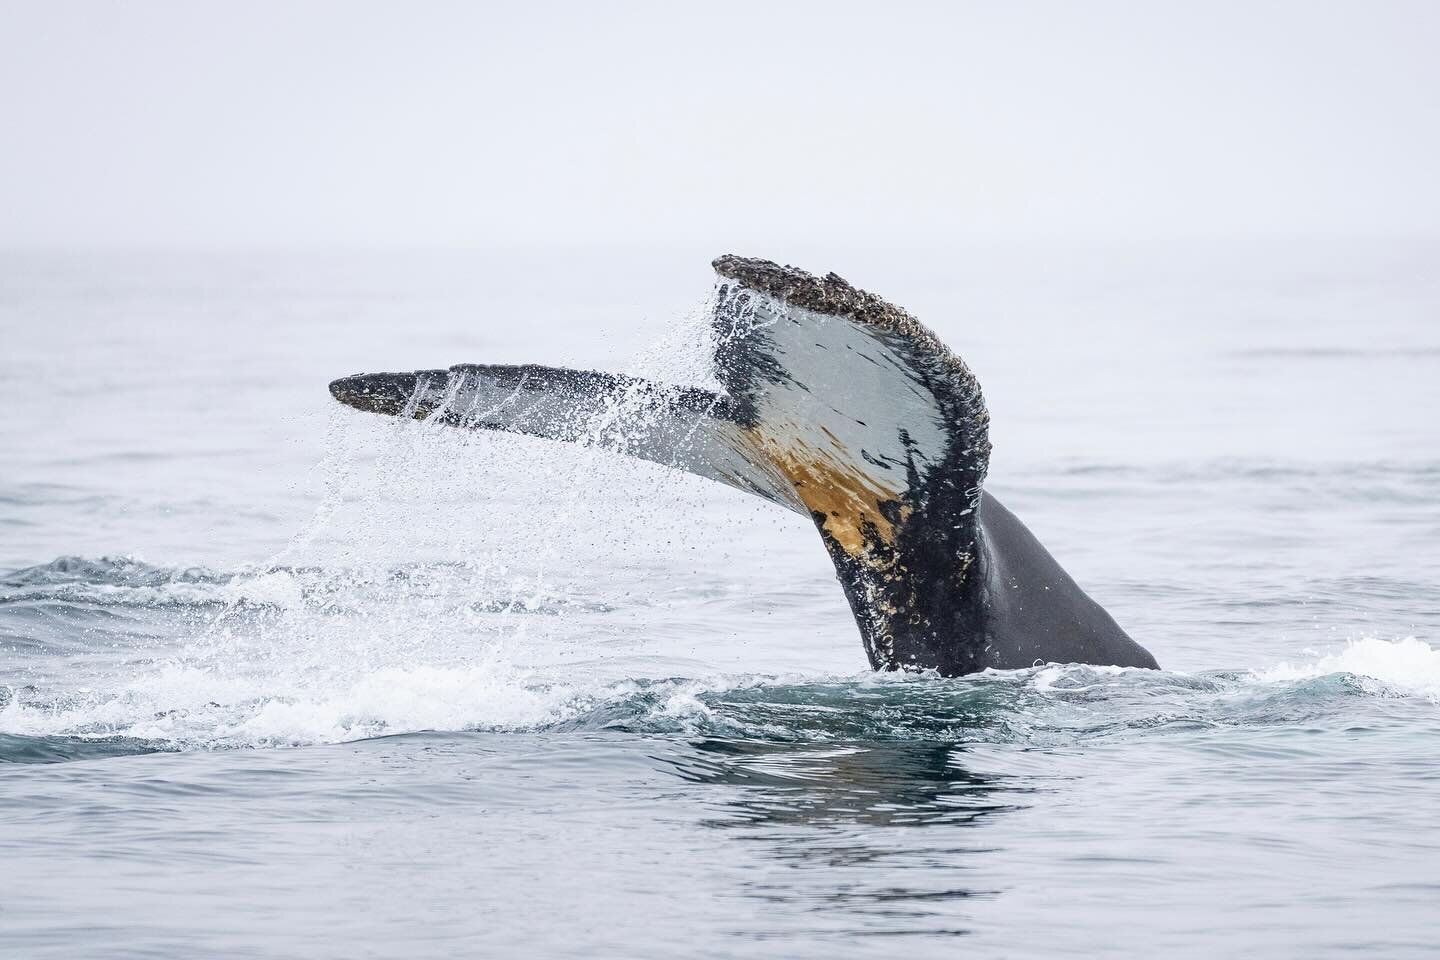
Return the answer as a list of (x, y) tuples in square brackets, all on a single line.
[(847, 498)]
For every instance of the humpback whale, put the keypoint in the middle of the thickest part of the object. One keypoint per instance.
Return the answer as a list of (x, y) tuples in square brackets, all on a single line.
[(840, 406)]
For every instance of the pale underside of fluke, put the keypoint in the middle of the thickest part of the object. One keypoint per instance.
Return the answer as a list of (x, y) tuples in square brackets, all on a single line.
[(835, 404)]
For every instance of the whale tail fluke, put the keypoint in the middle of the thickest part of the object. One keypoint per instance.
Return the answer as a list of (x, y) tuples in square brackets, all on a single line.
[(836, 404)]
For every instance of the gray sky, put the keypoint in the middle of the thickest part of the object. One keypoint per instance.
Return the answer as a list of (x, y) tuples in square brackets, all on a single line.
[(731, 124)]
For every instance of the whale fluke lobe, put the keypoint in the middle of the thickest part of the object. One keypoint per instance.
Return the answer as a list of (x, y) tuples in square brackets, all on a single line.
[(882, 433), (840, 406), (687, 428)]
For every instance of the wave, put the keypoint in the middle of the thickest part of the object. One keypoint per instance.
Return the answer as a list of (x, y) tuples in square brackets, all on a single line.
[(1405, 667), (122, 582), (115, 655), (180, 707)]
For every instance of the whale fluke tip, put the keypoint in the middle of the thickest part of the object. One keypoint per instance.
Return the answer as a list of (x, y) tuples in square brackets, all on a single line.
[(387, 393), (340, 389)]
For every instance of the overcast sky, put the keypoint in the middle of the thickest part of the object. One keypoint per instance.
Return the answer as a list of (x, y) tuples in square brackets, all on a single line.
[(195, 123)]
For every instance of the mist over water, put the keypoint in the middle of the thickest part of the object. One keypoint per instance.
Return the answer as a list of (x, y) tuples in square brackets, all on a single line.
[(279, 678)]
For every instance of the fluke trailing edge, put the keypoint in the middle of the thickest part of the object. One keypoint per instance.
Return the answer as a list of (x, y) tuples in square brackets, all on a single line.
[(843, 407)]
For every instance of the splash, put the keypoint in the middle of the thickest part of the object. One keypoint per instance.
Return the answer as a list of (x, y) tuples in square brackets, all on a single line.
[(408, 602), (233, 704), (1408, 666)]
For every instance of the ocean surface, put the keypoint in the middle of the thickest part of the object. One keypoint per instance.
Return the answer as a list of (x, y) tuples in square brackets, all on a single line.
[(282, 679)]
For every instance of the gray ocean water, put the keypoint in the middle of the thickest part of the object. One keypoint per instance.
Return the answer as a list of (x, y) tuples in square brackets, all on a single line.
[(279, 679)]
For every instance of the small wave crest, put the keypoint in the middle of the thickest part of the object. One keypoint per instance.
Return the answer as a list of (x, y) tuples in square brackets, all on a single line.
[(1407, 667), (112, 581), (129, 582)]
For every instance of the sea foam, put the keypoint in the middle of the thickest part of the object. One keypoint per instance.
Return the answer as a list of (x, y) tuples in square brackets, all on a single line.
[(1406, 666)]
